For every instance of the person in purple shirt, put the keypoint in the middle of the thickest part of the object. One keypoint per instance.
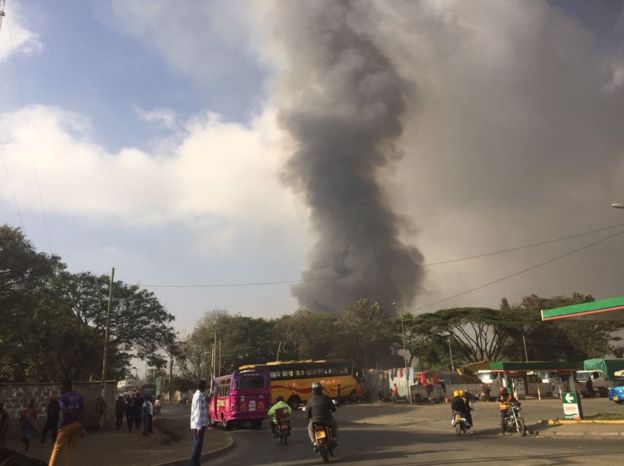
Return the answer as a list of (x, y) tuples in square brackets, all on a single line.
[(72, 425)]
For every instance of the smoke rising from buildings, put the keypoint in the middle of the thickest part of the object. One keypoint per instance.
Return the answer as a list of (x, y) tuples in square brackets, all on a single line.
[(342, 103)]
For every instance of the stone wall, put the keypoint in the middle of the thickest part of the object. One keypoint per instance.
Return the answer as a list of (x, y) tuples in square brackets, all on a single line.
[(16, 396)]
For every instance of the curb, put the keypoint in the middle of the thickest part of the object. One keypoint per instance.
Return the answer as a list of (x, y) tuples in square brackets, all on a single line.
[(581, 434), (205, 456), (557, 422)]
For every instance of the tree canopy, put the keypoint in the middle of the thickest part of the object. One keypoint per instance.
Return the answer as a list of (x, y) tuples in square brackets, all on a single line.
[(55, 320)]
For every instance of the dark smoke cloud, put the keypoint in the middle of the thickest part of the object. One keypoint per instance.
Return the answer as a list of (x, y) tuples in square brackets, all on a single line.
[(343, 109)]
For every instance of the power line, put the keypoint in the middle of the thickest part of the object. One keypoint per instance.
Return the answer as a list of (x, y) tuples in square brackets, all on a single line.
[(431, 264), (32, 158), (10, 182), (519, 272)]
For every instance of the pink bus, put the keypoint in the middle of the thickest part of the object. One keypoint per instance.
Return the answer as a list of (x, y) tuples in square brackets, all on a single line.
[(244, 396)]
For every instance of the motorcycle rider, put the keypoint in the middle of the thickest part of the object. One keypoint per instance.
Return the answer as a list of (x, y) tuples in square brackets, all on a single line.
[(458, 404), (505, 399), (319, 409), (467, 396), (286, 412)]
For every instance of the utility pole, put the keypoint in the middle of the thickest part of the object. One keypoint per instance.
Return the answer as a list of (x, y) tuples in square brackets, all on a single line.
[(409, 392), (105, 353), (451, 354), (526, 353), (170, 377), (279, 348), (220, 352)]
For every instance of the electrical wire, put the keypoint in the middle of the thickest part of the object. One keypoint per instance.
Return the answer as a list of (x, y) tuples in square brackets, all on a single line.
[(32, 158), (10, 182), (431, 264), (519, 272)]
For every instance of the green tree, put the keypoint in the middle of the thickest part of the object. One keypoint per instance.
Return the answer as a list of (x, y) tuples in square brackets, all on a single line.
[(365, 334), (422, 340), (23, 272), (565, 340), (240, 340), (306, 335), (477, 334), (139, 324)]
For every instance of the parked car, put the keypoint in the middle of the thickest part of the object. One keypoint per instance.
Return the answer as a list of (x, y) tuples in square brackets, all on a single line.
[(616, 393)]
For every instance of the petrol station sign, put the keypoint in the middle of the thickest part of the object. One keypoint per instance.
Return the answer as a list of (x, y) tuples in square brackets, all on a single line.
[(572, 407)]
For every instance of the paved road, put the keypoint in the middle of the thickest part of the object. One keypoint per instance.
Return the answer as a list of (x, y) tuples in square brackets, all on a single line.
[(417, 444)]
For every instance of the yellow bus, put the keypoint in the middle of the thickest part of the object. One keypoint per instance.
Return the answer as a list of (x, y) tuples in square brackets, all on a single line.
[(340, 379)]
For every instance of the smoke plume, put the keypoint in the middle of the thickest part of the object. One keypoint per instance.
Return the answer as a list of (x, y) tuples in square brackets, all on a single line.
[(342, 103)]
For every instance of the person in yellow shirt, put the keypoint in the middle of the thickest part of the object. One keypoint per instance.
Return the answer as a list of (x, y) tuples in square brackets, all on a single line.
[(286, 411)]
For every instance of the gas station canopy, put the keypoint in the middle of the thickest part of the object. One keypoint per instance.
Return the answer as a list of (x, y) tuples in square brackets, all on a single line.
[(500, 366), (606, 309)]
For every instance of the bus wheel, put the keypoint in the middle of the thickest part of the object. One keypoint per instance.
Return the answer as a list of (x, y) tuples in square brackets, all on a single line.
[(293, 402), (353, 396), (256, 424)]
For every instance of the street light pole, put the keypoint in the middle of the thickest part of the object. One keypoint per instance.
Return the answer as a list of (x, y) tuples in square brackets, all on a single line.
[(409, 392), (526, 353), (451, 355), (106, 336)]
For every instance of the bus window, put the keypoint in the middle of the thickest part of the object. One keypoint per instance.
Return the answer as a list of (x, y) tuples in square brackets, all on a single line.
[(251, 382)]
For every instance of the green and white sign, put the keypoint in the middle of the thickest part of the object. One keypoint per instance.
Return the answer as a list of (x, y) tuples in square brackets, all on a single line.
[(572, 408)]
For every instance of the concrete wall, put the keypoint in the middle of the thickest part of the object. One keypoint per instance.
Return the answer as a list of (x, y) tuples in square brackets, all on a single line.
[(16, 396)]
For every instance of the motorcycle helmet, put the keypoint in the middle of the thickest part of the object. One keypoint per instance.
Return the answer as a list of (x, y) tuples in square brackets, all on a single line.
[(456, 393), (279, 398), (317, 388), (461, 392), (503, 391)]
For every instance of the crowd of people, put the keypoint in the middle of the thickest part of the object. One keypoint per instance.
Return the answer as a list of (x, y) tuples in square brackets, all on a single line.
[(65, 419), (139, 410)]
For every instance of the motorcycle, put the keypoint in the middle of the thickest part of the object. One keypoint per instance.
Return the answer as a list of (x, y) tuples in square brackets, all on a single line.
[(460, 423), (513, 420), (324, 439), (282, 429)]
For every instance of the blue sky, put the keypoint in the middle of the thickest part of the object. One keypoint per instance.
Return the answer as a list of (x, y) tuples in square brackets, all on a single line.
[(151, 127)]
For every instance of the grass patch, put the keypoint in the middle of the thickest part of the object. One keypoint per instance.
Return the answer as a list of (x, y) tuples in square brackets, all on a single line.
[(605, 417)]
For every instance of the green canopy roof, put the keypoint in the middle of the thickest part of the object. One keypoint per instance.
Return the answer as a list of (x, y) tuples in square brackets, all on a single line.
[(606, 309), (536, 366)]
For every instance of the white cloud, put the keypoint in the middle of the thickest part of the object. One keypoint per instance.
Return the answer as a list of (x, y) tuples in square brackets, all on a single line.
[(206, 41), (161, 116), (219, 177), (15, 37)]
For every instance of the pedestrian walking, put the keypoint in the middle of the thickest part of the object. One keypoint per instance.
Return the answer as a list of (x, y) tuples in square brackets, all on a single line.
[(28, 423), (120, 407), (199, 421), (147, 412), (100, 409), (130, 412), (72, 425), (589, 386), (52, 418), (138, 407), (157, 406), (150, 415), (394, 393), (4, 425)]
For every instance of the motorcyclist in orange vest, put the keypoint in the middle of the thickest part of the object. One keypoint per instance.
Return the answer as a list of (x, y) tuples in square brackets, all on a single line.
[(505, 399)]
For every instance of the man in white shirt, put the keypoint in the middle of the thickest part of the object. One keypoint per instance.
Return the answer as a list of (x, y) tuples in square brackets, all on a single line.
[(199, 421)]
